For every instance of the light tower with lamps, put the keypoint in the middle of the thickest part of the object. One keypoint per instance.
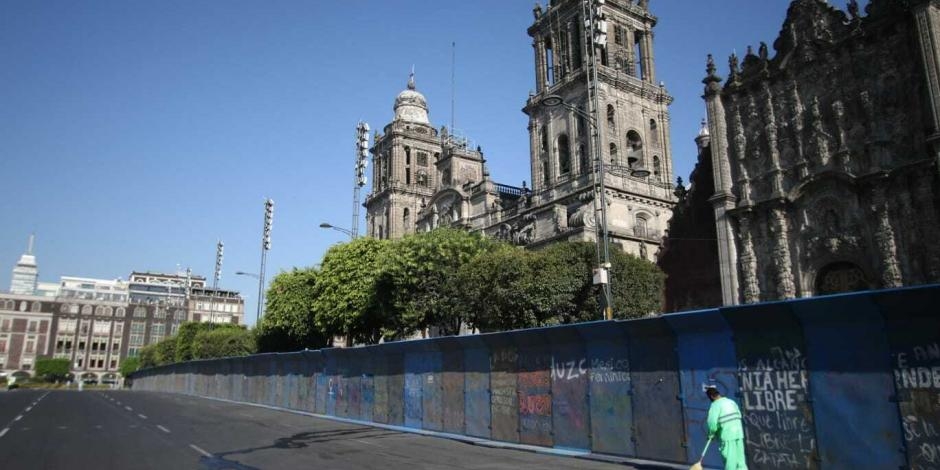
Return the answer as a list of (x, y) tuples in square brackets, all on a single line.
[(265, 246)]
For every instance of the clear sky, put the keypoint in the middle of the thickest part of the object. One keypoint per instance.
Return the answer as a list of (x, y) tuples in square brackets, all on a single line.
[(134, 135)]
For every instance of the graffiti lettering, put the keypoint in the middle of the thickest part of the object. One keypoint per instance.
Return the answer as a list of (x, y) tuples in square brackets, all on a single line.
[(918, 377), (568, 370), (535, 404)]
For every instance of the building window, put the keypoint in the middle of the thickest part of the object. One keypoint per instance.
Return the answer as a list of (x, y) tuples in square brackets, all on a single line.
[(5, 325), (137, 333), (159, 313), (407, 155), (582, 155), (640, 229), (36, 307), (657, 171), (611, 120), (614, 159), (544, 136), (422, 159), (564, 155), (406, 218), (180, 315), (31, 326), (86, 310), (635, 148), (654, 133), (140, 312), (120, 311), (3, 345), (102, 328), (73, 308), (157, 332), (99, 310)]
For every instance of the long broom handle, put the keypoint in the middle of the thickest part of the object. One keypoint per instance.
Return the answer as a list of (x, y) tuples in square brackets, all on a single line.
[(705, 450)]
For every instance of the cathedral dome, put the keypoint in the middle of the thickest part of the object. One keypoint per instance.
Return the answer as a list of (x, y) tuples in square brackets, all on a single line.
[(410, 105)]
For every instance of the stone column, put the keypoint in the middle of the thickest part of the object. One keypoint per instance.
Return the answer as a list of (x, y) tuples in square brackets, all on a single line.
[(646, 49), (927, 19), (884, 239), (539, 46), (723, 200), (631, 52), (783, 265)]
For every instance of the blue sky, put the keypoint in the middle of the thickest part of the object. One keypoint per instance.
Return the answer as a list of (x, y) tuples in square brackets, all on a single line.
[(134, 135)]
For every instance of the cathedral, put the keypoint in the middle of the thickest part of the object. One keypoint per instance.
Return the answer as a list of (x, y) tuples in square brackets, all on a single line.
[(596, 102), (825, 155)]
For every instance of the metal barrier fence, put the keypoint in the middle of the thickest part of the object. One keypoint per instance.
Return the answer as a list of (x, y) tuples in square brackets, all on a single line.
[(847, 381)]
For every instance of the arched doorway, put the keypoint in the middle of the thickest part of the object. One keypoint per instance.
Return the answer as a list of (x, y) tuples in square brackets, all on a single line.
[(841, 276)]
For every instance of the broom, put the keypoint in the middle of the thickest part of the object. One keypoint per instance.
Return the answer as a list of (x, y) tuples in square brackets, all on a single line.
[(698, 465)]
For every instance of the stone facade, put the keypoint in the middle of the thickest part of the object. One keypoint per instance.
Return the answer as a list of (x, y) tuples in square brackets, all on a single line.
[(825, 155), (425, 178)]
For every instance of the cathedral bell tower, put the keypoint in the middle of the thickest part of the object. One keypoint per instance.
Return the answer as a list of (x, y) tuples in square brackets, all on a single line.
[(598, 119)]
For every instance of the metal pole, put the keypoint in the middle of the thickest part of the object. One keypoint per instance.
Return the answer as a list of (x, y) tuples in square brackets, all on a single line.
[(265, 246), (600, 175)]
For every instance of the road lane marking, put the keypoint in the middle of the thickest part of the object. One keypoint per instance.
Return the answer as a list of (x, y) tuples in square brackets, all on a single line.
[(128, 408), (18, 418), (163, 429), (141, 416), (197, 449), (28, 408), (4, 431)]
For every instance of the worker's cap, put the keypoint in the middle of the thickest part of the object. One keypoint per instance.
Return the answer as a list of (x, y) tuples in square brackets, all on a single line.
[(706, 386)]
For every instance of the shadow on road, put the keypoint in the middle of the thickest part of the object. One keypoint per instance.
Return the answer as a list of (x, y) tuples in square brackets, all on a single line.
[(220, 460)]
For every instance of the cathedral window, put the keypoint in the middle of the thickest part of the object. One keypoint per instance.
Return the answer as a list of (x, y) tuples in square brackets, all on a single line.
[(581, 126), (545, 174), (86, 310), (614, 159), (582, 154), (381, 233), (422, 159), (619, 35), (635, 148), (407, 175), (564, 155), (654, 132), (407, 155), (640, 229), (544, 136), (36, 307), (549, 62), (657, 170), (406, 219), (611, 119), (422, 178), (576, 49)]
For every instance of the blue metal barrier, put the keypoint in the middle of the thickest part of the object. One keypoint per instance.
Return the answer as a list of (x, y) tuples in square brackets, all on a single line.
[(847, 381)]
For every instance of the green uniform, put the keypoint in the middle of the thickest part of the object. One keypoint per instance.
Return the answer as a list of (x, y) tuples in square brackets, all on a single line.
[(726, 426)]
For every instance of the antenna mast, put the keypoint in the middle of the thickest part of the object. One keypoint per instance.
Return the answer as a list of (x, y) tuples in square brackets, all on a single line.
[(453, 84)]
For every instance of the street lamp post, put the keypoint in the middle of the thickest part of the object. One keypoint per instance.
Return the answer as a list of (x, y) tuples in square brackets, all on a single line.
[(596, 36), (352, 235)]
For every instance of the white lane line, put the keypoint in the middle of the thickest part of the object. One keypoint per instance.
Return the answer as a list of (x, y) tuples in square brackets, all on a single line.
[(28, 408), (163, 429), (128, 408), (142, 416), (200, 450), (18, 418), (4, 431)]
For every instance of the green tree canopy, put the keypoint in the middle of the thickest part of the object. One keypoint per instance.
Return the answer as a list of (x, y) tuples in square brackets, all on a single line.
[(129, 366), (419, 278), (52, 370), (289, 323), (223, 341), (347, 304)]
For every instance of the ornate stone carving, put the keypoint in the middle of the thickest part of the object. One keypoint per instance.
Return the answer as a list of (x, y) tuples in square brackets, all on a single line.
[(820, 136), (783, 270), (748, 261), (923, 192), (884, 240)]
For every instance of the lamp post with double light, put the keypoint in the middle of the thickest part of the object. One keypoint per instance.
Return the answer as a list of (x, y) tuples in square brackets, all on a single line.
[(351, 234), (596, 37)]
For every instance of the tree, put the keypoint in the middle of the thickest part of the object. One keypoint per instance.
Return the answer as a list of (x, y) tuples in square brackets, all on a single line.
[(223, 341), (289, 323), (419, 278), (52, 370), (162, 352), (184, 340), (637, 286), (129, 366), (347, 304)]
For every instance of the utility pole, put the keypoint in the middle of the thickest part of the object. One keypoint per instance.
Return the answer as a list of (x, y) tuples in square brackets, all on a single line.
[(362, 161), (265, 246)]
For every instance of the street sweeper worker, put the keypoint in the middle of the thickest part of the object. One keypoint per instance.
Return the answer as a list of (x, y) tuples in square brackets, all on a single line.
[(726, 426)]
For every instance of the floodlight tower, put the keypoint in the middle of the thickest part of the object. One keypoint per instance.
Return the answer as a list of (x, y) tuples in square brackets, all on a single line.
[(362, 160)]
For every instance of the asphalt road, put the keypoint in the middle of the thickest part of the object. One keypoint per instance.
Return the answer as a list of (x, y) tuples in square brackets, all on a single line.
[(142, 430)]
